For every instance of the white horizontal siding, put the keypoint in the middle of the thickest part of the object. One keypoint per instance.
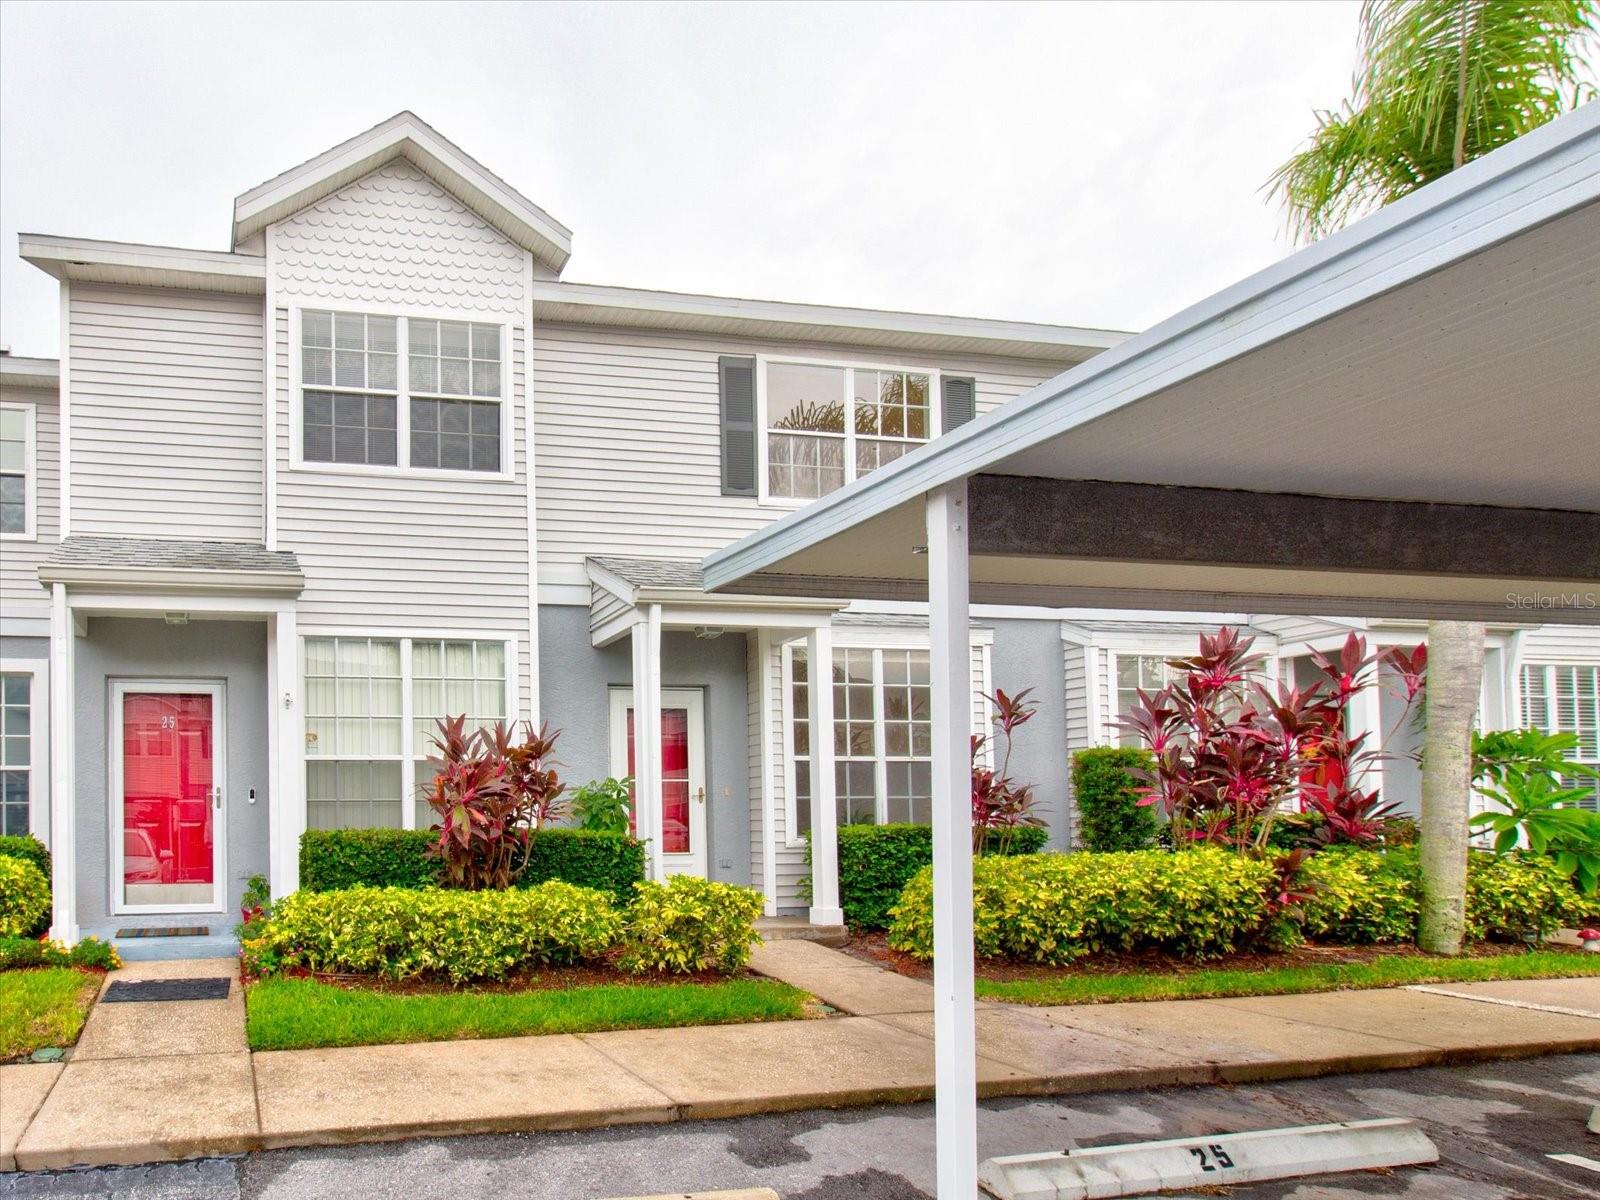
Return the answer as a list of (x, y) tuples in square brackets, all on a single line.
[(166, 414), (398, 552), (1562, 644), (629, 445), (1079, 735), (24, 604)]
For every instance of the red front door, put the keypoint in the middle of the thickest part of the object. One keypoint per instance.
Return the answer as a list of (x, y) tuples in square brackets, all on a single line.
[(168, 798)]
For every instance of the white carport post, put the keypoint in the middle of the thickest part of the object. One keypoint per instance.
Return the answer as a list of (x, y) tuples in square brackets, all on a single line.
[(825, 908), (63, 784), (647, 734), (950, 673)]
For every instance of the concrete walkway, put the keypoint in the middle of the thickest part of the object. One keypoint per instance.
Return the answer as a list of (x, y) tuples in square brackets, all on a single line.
[(153, 1081)]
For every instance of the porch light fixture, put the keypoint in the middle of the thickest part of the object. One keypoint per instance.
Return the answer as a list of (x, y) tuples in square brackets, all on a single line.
[(707, 632), (176, 618)]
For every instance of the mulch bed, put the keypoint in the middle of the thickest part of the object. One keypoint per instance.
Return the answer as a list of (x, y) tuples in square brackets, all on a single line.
[(874, 948)]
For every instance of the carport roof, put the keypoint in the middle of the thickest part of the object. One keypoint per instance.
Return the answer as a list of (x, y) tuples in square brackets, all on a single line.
[(1439, 353)]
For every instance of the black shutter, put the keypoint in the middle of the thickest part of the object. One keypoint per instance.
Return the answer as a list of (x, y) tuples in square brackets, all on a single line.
[(957, 402), (736, 385)]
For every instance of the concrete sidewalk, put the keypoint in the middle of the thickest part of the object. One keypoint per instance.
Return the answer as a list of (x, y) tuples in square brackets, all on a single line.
[(173, 1080)]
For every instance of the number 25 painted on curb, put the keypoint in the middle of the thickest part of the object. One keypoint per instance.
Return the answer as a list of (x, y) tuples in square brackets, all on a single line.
[(1217, 1152)]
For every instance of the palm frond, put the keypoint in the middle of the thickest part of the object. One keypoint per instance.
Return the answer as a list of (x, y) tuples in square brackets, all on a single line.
[(1441, 82)]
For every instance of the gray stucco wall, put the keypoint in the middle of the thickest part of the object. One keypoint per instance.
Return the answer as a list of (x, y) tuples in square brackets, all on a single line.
[(575, 682), (1027, 654), (233, 652)]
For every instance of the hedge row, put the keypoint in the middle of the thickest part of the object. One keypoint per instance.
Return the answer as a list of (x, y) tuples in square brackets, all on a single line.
[(1052, 908), (1367, 896), (683, 925), (336, 859), (877, 861)]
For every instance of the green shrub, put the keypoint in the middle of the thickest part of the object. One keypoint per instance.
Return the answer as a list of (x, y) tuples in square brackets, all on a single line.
[(1373, 896), (1052, 908), (1509, 895), (689, 924), (877, 861), (1106, 796), (1360, 896), (16, 952), (459, 935), (24, 897), (333, 859), (28, 847)]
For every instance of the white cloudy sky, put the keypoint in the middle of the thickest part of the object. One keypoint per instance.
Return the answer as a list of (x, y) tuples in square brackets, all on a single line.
[(1091, 164)]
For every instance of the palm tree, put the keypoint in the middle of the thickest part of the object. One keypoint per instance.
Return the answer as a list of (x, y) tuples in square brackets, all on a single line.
[(1441, 82)]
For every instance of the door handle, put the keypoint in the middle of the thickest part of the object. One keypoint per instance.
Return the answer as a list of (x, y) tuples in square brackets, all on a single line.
[(700, 794), (216, 795)]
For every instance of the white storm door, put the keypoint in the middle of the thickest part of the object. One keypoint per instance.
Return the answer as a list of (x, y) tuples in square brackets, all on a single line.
[(683, 773)]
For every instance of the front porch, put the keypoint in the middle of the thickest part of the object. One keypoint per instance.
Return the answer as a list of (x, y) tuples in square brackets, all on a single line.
[(640, 599), (175, 774)]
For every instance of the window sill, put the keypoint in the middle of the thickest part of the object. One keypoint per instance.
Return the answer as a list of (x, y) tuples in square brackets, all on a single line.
[(386, 472), (19, 537)]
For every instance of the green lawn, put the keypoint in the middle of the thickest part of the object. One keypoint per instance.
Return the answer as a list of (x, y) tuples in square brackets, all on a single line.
[(43, 1007), (1195, 985), (292, 1014)]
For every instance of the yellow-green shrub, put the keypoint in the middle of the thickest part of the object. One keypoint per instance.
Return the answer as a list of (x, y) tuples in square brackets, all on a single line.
[(1052, 908), (459, 935), (1509, 895), (1360, 896), (24, 896), (688, 924)]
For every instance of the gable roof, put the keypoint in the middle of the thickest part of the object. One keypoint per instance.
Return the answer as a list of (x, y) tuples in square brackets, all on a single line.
[(406, 135)]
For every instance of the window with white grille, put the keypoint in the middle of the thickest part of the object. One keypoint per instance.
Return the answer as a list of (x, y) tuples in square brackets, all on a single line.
[(441, 409), (882, 736), (1565, 698), (371, 704)]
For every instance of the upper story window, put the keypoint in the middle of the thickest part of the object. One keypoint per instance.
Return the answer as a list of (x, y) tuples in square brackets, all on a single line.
[(17, 469), (826, 425), (442, 410)]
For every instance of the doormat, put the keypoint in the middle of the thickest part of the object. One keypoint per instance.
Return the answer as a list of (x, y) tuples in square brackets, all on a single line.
[(167, 989), (168, 931)]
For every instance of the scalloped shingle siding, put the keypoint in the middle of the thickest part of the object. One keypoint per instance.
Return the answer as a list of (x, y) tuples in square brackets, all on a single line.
[(396, 237)]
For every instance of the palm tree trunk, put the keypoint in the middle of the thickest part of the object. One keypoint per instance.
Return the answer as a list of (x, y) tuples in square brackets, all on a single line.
[(1455, 679)]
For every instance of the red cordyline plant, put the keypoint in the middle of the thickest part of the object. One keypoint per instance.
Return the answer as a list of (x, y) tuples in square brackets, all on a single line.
[(493, 793), (1229, 751), (1001, 805)]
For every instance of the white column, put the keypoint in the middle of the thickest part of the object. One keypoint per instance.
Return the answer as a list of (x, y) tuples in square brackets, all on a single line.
[(760, 645), (286, 805), (825, 908), (950, 664), (647, 734), (1366, 715), (63, 783)]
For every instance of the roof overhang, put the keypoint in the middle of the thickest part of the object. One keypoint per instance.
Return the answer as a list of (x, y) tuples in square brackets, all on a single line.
[(91, 261), (405, 135), (772, 320), (1439, 352), (691, 607), (175, 581), (30, 372)]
